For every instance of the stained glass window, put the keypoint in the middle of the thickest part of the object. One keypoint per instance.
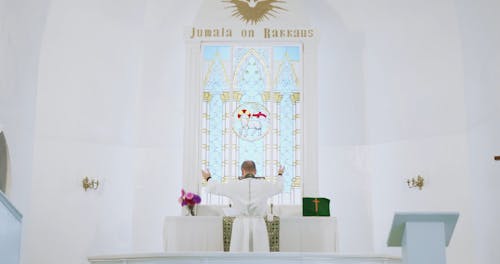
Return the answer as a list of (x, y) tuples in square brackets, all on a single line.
[(251, 111)]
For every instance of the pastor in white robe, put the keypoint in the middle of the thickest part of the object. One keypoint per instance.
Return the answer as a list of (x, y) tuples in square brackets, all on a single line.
[(249, 199)]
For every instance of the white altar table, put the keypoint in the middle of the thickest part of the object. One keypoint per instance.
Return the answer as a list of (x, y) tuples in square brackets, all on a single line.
[(204, 233)]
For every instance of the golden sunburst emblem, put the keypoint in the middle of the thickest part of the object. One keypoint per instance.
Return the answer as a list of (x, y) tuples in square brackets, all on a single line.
[(255, 11)]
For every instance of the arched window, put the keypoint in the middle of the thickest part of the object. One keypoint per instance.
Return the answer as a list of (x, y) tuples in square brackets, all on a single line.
[(251, 110)]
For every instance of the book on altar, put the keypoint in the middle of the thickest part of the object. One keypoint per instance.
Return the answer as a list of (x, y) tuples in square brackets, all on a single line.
[(315, 206)]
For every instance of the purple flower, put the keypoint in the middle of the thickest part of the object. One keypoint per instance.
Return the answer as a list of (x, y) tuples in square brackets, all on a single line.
[(189, 198)]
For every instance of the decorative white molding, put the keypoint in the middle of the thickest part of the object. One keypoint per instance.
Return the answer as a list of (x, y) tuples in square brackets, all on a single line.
[(310, 185), (191, 160), (221, 257)]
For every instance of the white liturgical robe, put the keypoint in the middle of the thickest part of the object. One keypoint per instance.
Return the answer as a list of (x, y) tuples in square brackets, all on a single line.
[(249, 199)]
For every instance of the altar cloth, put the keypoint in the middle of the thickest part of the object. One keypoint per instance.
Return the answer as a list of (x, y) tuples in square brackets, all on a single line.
[(273, 228), (205, 233)]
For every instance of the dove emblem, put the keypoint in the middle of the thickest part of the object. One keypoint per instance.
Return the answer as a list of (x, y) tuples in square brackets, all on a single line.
[(255, 11)]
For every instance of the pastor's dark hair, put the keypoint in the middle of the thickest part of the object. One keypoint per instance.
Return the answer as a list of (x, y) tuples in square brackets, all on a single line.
[(249, 166)]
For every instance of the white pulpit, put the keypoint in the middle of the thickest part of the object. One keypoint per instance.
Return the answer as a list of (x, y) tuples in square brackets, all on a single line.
[(204, 232), (422, 236)]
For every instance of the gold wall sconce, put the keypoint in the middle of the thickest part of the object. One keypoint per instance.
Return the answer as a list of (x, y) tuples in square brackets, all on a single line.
[(90, 183), (414, 183)]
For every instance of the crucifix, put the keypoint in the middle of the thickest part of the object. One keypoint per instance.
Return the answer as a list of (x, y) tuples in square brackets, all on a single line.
[(316, 202)]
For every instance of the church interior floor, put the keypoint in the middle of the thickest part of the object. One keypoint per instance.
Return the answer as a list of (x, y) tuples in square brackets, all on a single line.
[(227, 257)]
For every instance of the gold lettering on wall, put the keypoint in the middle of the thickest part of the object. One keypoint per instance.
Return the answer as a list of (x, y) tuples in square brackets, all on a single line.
[(265, 33), (252, 12), (248, 33), (211, 33), (287, 33)]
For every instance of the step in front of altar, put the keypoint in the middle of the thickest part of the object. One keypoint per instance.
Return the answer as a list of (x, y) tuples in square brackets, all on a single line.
[(261, 258)]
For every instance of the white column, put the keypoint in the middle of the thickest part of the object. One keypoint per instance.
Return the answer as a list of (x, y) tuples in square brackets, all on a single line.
[(309, 169), (191, 159), (205, 140), (296, 199)]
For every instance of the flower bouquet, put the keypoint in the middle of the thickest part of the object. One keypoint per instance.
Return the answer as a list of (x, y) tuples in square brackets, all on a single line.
[(189, 199)]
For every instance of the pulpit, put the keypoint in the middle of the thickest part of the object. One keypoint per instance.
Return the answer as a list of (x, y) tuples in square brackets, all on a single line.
[(204, 232), (422, 236)]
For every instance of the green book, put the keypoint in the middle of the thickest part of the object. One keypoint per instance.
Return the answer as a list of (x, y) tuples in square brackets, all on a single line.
[(315, 206)]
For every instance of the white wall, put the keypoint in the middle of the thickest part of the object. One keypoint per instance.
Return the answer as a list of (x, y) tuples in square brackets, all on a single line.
[(341, 118), (415, 116), (481, 38), (413, 123), (110, 105), (86, 125), (21, 28), (161, 119)]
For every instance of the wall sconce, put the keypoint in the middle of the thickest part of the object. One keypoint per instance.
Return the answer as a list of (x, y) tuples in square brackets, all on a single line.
[(90, 184), (418, 182)]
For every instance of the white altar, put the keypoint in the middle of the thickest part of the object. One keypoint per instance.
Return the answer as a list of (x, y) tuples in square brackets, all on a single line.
[(198, 239), (204, 232)]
